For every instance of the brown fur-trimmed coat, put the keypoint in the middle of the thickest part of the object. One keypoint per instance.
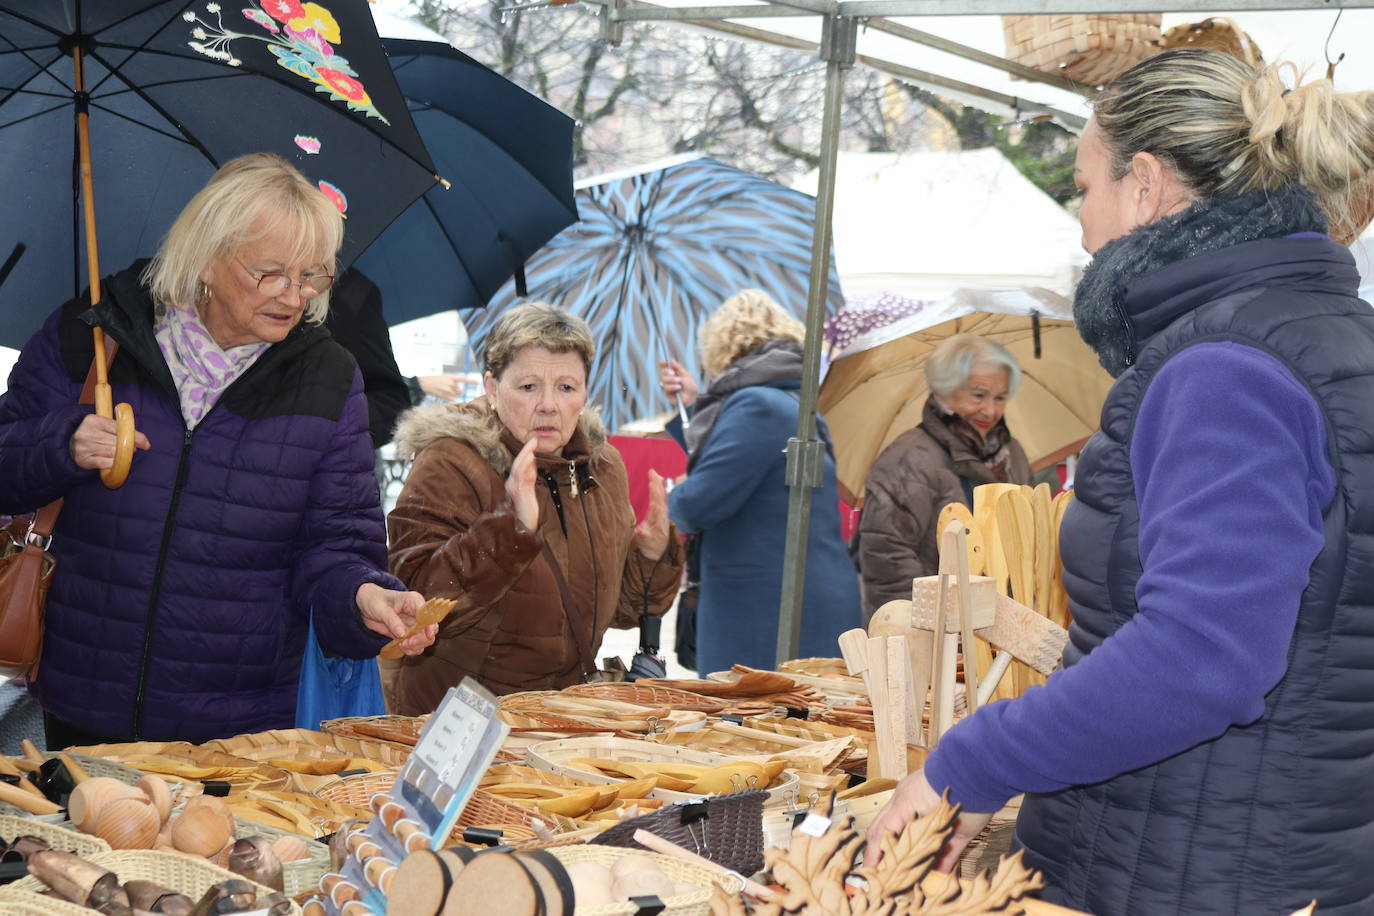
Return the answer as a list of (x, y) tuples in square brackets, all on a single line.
[(454, 534)]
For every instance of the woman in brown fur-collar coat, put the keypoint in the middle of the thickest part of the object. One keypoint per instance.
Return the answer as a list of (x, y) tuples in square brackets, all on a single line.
[(518, 507)]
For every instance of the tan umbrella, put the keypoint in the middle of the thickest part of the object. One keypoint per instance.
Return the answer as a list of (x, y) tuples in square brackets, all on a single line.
[(875, 388)]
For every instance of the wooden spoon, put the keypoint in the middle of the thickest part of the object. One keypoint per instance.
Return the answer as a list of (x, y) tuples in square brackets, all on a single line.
[(432, 611), (961, 512)]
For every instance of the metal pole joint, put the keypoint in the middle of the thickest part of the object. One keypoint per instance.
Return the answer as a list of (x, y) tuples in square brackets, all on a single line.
[(839, 41), (805, 462), (612, 27)]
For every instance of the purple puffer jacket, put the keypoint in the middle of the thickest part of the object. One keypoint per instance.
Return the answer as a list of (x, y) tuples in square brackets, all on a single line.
[(181, 600)]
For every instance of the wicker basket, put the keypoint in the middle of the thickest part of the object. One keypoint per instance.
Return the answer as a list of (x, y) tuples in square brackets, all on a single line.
[(554, 756), (94, 766), (530, 705), (985, 851), (1215, 33), (816, 667), (60, 838), (696, 903), (357, 790), (298, 875), (731, 835), (303, 744), (483, 809), (250, 774), (391, 729), (1088, 49), (324, 816), (30, 903), (184, 874), (651, 696)]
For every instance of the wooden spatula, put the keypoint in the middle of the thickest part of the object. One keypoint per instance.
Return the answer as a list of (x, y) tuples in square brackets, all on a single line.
[(432, 611), (961, 512)]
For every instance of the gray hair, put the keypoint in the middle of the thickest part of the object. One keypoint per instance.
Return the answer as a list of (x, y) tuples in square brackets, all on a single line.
[(949, 367), (247, 198), (1228, 127), (536, 324)]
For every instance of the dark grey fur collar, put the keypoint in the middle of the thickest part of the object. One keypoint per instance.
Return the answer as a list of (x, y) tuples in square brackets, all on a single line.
[(1099, 302)]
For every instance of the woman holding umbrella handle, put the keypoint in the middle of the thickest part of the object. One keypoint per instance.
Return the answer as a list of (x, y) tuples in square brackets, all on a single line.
[(181, 602)]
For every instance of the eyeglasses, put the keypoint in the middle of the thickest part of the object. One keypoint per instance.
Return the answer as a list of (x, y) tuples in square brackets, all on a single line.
[(275, 284)]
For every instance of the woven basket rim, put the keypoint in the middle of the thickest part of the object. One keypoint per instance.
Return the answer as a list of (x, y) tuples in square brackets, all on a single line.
[(539, 756), (285, 743), (185, 874), (59, 837), (299, 875), (20, 902), (677, 869), (197, 755)]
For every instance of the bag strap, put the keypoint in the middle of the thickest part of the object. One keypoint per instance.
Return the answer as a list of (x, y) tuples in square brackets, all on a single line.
[(46, 518), (581, 639)]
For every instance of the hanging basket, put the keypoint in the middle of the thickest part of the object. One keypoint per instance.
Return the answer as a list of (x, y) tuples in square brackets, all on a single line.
[(1216, 33), (1088, 49)]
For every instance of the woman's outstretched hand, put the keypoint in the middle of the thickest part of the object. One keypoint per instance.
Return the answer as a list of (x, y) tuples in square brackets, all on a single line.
[(651, 535), (392, 613), (520, 487), (914, 798)]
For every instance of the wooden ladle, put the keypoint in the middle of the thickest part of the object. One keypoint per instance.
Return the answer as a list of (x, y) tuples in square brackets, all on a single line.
[(432, 611)]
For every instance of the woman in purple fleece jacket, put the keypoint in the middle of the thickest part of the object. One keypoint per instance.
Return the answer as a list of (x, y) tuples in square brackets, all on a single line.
[(181, 600), (1206, 748)]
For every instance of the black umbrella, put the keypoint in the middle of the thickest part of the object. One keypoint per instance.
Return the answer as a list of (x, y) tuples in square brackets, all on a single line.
[(169, 91), (508, 155)]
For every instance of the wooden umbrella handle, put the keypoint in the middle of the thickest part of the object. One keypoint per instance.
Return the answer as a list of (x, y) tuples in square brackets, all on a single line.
[(115, 475)]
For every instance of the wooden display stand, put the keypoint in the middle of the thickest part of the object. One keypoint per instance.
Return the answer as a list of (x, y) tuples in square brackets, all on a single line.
[(912, 650)]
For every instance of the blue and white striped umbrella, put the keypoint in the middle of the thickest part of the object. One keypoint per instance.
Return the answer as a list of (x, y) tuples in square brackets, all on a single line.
[(655, 251)]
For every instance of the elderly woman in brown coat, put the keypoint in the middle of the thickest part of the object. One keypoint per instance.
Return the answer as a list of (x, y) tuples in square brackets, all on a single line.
[(518, 507), (961, 442)]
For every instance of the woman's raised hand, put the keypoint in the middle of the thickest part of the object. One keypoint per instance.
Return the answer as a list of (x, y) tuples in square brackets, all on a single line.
[(677, 382), (520, 487), (651, 535), (93, 443)]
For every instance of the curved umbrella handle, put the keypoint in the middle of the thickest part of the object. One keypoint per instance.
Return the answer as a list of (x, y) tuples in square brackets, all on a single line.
[(123, 414)]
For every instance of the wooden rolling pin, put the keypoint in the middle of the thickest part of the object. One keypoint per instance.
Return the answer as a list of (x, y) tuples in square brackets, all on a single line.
[(668, 848), (759, 734)]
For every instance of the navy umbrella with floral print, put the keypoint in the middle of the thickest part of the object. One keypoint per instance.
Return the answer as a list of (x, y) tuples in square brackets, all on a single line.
[(114, 112)]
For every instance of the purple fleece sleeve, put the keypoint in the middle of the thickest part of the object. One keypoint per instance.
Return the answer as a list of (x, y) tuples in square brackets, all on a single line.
[(1232, 477)]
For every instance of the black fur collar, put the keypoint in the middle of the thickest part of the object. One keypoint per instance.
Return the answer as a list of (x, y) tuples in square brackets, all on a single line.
[(1099, 304)]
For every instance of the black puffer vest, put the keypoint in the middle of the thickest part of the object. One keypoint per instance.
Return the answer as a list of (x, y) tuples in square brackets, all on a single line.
[(1271, 815)]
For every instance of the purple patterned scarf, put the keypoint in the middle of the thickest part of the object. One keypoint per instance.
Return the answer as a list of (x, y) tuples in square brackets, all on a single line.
[(200, 369)]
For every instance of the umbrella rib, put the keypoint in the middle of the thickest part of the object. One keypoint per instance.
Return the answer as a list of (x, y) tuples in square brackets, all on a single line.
[(152, 127), (142, 47), (539, 180), (365, 123), (39, 68), (35, 114), (452, 244), (190, 140), (31, 21)]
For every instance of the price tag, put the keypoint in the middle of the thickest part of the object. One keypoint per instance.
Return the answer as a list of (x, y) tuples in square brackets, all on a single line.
[(815, 825), (451, 737)]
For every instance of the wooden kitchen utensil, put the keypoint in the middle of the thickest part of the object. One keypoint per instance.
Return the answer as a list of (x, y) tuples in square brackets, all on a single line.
[(976, 554), (432, 611)]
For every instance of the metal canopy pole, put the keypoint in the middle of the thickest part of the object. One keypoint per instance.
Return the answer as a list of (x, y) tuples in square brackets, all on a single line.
[(806, 453)]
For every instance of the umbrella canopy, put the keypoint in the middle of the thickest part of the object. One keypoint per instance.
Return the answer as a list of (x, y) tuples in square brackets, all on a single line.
[(655, 251), (509, 157), (875, 388), (173, 90)]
